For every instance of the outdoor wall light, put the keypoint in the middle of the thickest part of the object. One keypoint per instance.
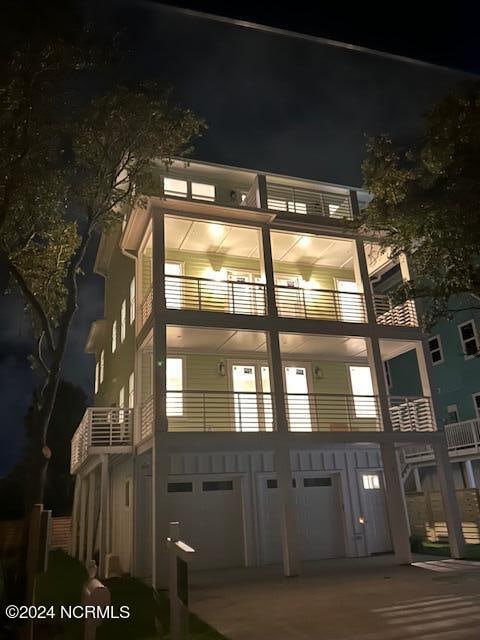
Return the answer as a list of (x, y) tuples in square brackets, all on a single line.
[(221, 368), (318, 373)]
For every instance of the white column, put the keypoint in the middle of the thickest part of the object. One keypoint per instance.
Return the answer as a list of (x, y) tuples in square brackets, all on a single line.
[(469, 475), (75, 507), (449, 499), (104, 515), (83, 518), (160, 457), (90, 515), (397, 514)]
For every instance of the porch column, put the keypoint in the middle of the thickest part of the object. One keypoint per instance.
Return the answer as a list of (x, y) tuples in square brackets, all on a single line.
[(160, 457), (83, 518), (449, 499), (76, 500), (90, 515), (104, 547), (397, 513), (470, 481)]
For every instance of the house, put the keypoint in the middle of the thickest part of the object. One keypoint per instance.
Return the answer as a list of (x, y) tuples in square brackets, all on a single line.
[(240, 382)]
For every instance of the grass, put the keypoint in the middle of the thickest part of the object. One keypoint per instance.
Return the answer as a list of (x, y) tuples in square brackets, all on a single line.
[(149, 610), (443, 549)]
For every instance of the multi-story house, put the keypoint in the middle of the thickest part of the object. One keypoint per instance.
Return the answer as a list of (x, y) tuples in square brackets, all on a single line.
[(240, 383)]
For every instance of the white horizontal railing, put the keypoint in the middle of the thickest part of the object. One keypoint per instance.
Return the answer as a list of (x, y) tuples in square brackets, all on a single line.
[(462, 438), (224, 296), (300, 200), (411, 413), (403, 315), (324, 304), (101, 427)]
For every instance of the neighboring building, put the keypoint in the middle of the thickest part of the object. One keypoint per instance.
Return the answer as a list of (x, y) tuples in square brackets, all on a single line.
[(240, 382)]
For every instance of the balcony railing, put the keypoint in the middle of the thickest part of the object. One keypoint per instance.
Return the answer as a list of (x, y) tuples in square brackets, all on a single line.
[(288, 199), (332, 412), (463, 439), (403, 315), (224, 296), (146, 306), (146, 418), (411, 413), (325, 304), (101, 427)]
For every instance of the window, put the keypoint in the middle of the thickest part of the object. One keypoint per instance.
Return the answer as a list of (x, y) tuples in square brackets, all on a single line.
[(131, 391), (362, 389), (180, 487), (123, 321), (452, 414), (121, 398), (436, 351), (371, 481), (132, 300), (97, 374), (114, 336), (173, 187), (173, 285), (203, 191), (476, 402), (102, 366), (218, 485), (317, 482), (468, 336), (174, 386)]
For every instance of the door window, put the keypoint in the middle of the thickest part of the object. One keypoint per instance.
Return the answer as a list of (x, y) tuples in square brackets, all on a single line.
[(297, 399), (350, 309), (173, 285), (362, 389), (245, 397), (174, 386)]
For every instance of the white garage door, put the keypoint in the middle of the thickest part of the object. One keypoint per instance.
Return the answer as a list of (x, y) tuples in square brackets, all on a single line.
[(319, 518), (210, 514)]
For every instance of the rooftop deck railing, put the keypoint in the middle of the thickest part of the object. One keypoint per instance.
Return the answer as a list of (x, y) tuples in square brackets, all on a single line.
[(101, 427), (388, 313), (289, 199), (324, 304)]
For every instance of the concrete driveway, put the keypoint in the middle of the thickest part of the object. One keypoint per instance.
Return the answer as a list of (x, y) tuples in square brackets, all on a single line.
[(361, 599)]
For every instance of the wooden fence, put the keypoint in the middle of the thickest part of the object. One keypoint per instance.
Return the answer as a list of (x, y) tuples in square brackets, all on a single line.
[(427, 519), (11, 533)]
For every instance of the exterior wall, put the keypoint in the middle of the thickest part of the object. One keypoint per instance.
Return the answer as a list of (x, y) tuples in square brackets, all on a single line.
[(121, 483), (118, 365), (429, 477), (404, 375)]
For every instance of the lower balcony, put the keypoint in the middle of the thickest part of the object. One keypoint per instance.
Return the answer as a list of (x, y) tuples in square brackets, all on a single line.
[(102, 430)]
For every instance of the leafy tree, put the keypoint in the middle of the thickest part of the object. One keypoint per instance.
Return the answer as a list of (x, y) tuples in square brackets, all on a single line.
[(426, 204), (68, 167)]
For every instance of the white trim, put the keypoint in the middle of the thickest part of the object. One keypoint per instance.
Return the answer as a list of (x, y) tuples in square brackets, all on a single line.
[(462, 341), (439, 348)]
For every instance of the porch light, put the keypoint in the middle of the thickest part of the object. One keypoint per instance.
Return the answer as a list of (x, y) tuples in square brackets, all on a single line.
[(216, 230), (318, 373), (222, 368)]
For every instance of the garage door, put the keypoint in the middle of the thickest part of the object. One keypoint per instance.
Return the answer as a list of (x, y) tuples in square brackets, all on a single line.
[(210, 514), (319, 518)]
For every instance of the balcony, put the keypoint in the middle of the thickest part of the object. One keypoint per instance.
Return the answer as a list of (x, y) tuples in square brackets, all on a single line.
[(324, 304), (286, 198), (463, 440), (102, 430), (400, 315)]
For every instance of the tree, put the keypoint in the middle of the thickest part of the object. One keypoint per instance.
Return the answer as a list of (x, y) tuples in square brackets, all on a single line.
[(426, 204), (68, 168)]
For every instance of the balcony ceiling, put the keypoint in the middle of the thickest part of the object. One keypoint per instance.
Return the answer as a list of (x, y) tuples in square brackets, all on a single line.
[(184, 234)]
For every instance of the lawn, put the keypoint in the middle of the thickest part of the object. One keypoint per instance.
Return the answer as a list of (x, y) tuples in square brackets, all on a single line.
[(149, 611), (443, 549)]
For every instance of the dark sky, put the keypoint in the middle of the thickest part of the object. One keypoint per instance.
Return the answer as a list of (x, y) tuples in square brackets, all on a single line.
[(273, 102)]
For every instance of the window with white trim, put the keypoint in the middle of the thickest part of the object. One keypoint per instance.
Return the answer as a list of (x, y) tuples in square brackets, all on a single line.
[(174, 187), (123, 321), (102, 366), (202, 191), (114, 336), (131, 391), (371, 481), (132, 300), (174, 386), (476, 403), (436, 350), (452, 414), (97, 374), (469, 338), (362, 389)]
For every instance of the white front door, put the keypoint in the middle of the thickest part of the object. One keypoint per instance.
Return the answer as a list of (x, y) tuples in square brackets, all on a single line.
[(245, 397), (297, 399), (374, 505), (350, 309)]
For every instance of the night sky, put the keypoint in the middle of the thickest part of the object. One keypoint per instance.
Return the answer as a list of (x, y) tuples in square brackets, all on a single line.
[(273, 102)]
